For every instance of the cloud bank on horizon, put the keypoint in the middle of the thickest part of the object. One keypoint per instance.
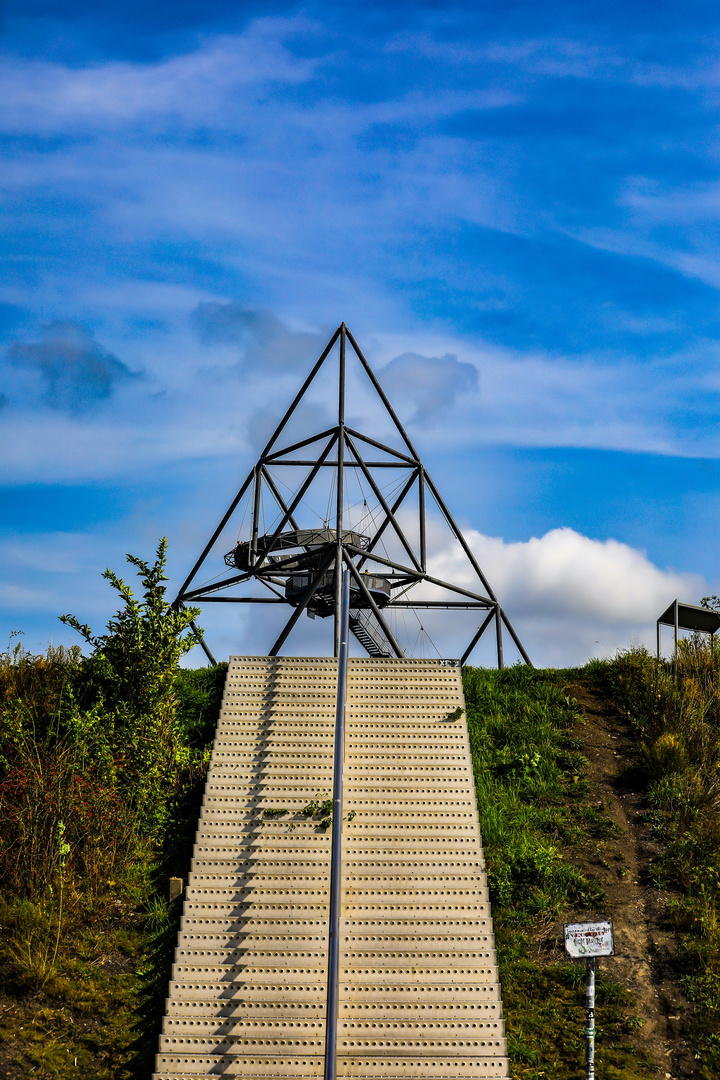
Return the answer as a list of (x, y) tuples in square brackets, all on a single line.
[(515, 210)]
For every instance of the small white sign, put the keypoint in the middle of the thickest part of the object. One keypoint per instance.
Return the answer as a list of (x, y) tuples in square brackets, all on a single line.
[(589, 939)]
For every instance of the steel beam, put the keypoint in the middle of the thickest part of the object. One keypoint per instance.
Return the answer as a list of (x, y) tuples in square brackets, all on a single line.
[(340, 493), (270, 459), (395, 507), (298, 497), (381, 446), (278, 497), (459, 536), (333, 965), (473, 643), (375, 609), (302, 604), (516, 639), (301, 393), (381, 394), (380, 498)]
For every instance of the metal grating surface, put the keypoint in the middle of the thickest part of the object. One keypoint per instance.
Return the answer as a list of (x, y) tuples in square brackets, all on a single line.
[(419, 992)]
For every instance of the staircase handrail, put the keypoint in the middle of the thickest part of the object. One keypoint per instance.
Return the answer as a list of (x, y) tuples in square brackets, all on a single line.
[(374, 631), (331, 1011)]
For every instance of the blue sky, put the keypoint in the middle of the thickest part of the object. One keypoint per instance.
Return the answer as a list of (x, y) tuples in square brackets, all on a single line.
[(515, 208)]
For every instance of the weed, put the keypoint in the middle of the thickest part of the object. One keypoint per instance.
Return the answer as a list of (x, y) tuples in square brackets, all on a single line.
[(321, 807)]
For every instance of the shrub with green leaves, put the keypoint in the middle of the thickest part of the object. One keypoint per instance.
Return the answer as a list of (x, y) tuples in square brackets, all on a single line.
[(94, 742), (129, 677)]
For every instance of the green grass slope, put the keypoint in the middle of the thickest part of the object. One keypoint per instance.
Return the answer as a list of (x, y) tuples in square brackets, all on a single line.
[(87, 932)]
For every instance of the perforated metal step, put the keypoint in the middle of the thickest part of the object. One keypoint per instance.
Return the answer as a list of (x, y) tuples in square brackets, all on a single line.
[(419, 994)]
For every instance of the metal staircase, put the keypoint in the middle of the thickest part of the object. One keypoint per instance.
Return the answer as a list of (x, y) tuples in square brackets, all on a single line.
[(418, 989), (370, 634)]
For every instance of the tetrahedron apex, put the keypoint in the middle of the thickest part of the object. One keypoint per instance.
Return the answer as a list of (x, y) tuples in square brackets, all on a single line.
[(338, 499)]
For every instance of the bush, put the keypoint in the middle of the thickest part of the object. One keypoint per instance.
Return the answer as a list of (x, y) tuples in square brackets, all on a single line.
[(129, 679), (92, 747)]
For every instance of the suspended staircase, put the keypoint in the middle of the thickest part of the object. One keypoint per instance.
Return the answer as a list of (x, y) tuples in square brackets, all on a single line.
[(370, 634), (419, 993)]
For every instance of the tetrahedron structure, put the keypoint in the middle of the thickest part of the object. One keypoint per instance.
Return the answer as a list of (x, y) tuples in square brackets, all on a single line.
[(340, 498)]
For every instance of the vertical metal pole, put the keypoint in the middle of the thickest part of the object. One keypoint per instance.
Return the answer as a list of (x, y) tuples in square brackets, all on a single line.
[(421, 507), (658, 640), (255, 516), (498, 632), (331, 1012), (340, 490), (590, 1019), (677, 630)]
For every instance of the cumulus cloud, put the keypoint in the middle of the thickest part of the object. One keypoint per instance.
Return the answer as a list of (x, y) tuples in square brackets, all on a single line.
[(261, 338), (431, 384), (569, 596), (74, 369)]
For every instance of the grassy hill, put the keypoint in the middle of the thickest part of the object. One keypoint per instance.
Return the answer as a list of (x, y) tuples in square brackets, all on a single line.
[(599, 795)]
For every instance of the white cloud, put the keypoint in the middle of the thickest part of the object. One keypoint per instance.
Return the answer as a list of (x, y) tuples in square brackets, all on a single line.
[(43, 96), (570, 597)]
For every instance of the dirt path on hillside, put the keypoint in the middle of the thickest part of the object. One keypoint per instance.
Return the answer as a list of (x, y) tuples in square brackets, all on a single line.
[(644, 949)]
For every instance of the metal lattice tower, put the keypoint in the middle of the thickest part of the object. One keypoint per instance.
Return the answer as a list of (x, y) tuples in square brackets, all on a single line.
[(385, 548)]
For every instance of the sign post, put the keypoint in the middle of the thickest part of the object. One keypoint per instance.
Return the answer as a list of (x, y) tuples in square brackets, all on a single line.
[(588, 941)]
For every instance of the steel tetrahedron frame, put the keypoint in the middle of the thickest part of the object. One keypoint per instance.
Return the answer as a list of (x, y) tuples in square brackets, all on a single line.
[(303, 566)]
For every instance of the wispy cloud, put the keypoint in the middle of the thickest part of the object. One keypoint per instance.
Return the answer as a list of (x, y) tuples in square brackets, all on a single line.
[(74, 370), (44, 96), (431, 384), (260, 336), (518, 220)]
